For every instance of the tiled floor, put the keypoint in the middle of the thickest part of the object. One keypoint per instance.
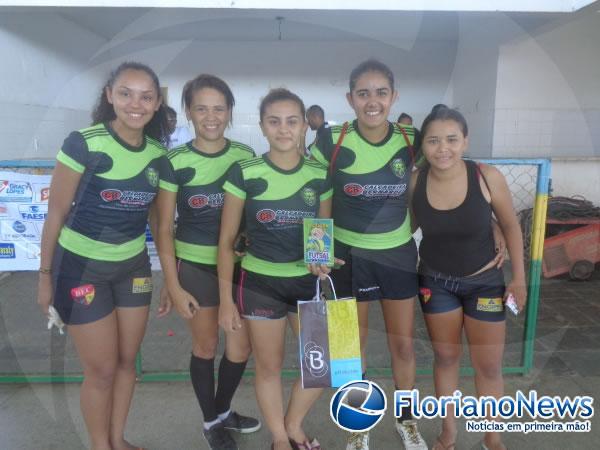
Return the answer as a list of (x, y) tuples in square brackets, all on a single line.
[(165, 416)]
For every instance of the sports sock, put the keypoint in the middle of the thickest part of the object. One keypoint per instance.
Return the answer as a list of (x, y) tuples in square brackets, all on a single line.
[(230, 374), (202, 372)]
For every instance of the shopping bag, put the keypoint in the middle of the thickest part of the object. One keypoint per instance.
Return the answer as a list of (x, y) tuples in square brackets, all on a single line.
[(329, 341)]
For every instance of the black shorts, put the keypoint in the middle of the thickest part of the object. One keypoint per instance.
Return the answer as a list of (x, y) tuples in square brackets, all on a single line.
[(202, 281), (86, 290), (266, 297), (369, 275), (480, 296)]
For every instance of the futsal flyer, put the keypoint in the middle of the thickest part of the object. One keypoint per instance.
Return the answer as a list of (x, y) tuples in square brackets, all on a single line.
[(318, 241)]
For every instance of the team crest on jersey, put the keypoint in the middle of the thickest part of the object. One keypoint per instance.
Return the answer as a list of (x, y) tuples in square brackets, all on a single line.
[(398, 167), (152, 176), (309, 196)]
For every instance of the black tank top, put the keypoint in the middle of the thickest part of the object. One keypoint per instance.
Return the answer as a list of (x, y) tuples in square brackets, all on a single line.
[(457, 241)]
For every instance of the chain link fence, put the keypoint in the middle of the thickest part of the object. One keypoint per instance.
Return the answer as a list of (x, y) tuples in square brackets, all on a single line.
[(32, 354)]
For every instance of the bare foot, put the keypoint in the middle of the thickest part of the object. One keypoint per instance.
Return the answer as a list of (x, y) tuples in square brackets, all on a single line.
[(296, 434), (445, 441), (281, 445), (494, 444), (440, 444)]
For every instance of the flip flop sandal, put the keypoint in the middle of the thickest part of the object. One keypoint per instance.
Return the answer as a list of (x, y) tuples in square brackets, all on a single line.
[(314, 444), (300, 445)]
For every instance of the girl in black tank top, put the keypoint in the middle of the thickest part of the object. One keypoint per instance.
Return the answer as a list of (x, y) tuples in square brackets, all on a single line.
[(464, 231), (452, 201)]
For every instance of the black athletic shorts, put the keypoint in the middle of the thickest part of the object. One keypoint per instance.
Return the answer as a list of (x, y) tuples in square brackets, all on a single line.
[(266, 297), (202, 281), (86, 290), (369, 275)]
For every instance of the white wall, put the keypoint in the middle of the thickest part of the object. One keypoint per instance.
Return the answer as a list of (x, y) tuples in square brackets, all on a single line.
[(537, 96), (474, 76), (57, 80), (548, 93), (41, 54), (319, 74), (577, 176)]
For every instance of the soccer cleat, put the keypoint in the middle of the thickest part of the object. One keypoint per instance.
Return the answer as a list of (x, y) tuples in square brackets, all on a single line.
[(409, 433)]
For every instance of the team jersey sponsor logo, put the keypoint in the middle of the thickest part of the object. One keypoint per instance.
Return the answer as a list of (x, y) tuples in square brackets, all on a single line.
[(287, 216), (265, 215), (283, 216), (142, 285), (398, 167), (375, 190), (84, 295), (353, 189), (7, 251), (33, 212), (15, 191), (309, 196), (111, 195), (152, 176), (127, 198), (486, 304), (200, 200)]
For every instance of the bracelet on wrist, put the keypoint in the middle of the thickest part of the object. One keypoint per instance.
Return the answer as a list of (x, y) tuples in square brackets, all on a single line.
[(45, 270)]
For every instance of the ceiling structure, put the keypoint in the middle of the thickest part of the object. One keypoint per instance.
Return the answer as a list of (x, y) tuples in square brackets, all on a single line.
[(382, 5)]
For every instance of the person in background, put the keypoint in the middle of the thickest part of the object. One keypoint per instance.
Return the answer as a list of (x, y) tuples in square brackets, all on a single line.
[(178, 135), (315, 117), (405, 119)]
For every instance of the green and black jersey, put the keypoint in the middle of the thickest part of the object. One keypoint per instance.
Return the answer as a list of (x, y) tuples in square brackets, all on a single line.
[(276, 202), (370, 184), (110, 211), (199, 179)]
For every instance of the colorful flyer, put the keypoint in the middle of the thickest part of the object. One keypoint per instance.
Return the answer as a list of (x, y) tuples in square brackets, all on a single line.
[(318, 241)]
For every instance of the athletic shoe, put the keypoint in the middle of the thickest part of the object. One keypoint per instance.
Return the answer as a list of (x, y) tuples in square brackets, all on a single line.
[(358, 441), (409, 433), (218, 438), (241, 424)]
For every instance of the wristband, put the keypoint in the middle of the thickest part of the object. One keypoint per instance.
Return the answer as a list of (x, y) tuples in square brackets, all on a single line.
[(45, 270)]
